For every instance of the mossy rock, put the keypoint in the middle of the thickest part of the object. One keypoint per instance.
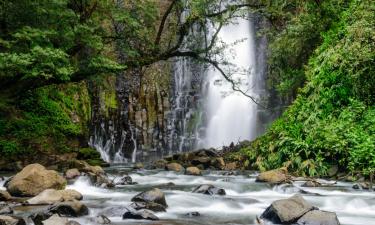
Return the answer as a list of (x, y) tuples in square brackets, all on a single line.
[(88, 154)]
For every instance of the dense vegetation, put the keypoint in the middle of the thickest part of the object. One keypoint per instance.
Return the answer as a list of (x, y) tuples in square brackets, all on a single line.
[(332, 120), (321, 61), (52, 50)]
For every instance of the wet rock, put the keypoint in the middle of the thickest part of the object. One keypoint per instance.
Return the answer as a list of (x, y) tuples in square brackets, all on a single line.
[(276, 176), (318, 217), (33, 179), (148, 205), (101, 219), (46, 197), (154, 195), (193, 171), (231, 166), (125, 180), (51, 196), (174, 167), (138, 166), (5, 209), (11, 220), (218, 163), (287, 210), (5, 196), (362, 185), (333, 170), (159, 164), (209, 189), (71, 209), (202, 160), (39, 217), (55, 220), (70, 195), (192, 214), (312, 183), (143, 214), (100, 180), (72, 173)]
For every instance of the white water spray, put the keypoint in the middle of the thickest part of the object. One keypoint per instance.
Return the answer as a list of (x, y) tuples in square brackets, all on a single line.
[(231, 115)]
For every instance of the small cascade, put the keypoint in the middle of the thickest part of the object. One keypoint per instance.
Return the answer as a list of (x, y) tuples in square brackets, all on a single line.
[(185, 114)]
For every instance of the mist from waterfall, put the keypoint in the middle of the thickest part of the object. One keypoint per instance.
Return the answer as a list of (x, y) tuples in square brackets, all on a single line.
[(231, 116)]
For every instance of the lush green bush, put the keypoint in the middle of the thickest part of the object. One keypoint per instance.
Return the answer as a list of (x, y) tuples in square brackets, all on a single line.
[(46, 119), (332, 120)]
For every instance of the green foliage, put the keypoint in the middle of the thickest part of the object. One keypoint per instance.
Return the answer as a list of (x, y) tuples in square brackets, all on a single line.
[(88, 153), (46, 120), (47, 42), (332, 119), (302, 23)]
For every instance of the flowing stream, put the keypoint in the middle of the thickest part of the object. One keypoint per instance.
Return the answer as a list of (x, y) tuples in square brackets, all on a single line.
[(245, 199)]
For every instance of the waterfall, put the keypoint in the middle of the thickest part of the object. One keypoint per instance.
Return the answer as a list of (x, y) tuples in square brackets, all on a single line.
[(232, 117), (201, 109)]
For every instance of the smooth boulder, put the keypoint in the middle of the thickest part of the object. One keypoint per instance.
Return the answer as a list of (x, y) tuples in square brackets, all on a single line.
[(287, 210), (51, 196), (318, 217), (154, 195), (209, 189), (174, 167), (276, 176), (33, 179), (195, 171), (72, 173)]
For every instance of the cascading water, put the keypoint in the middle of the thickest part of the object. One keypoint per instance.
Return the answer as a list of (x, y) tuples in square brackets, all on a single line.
[(232, 116)]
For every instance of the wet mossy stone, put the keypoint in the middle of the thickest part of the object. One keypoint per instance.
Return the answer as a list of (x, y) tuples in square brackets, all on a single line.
[(88, 153)]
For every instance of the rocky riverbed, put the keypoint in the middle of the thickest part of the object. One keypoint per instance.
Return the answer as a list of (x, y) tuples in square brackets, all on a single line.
[(124, 195)]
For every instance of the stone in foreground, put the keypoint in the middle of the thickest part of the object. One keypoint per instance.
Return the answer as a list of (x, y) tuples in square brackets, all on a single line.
[(287, 210), (154, 195), (318, 217), (10, 220), (33, 179)]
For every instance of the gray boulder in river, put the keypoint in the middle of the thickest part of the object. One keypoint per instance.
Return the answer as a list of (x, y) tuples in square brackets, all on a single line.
[(318, 217), (296, 210), (34, 179), (209, 189), (154, 195)]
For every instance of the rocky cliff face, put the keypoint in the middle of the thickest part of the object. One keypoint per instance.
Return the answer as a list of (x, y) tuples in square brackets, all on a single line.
[(130, 112)]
